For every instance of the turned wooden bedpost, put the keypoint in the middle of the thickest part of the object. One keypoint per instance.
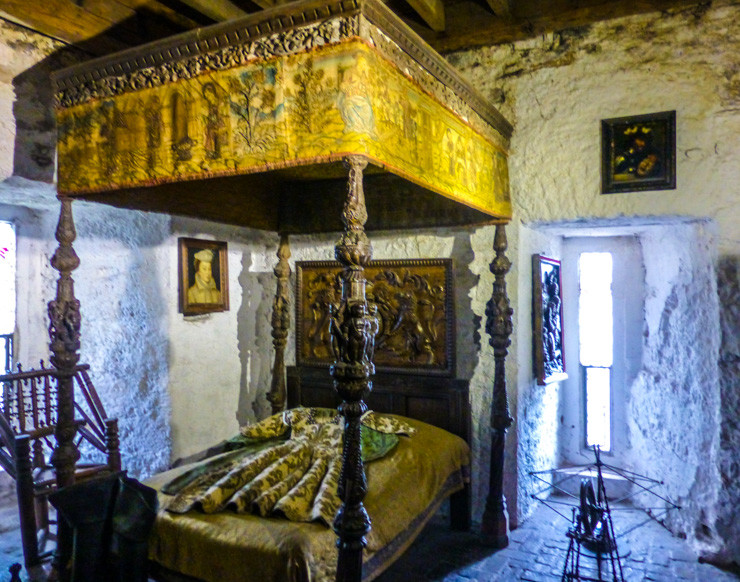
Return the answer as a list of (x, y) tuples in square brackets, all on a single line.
[(499, 327), (353, 338), (280, 326), (64, 333)]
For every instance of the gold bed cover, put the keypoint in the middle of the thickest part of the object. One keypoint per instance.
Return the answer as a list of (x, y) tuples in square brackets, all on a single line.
[(266, 107), (227, 547)]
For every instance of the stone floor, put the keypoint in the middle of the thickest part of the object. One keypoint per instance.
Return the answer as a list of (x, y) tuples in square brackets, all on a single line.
[(536, 552)]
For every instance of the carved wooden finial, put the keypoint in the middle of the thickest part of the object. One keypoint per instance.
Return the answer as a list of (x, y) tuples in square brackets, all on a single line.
[(280, 326)]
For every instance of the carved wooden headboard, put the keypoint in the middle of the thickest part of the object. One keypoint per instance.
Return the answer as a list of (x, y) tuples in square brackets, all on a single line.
[(440, 401), (414, 345)]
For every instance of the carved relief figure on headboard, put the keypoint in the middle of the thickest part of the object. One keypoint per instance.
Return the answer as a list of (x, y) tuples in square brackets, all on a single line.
[(409, 305)]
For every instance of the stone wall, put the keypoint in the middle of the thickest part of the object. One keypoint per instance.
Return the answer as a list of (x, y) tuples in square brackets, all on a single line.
[(727, 525), (555, 89), (674, 407), (122, 288), (148, 360)]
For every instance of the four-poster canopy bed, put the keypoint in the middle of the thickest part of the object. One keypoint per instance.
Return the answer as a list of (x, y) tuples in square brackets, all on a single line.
[(284, 121)]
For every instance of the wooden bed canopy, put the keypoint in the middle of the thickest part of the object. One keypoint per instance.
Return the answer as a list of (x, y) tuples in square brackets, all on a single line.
[(312, 117)]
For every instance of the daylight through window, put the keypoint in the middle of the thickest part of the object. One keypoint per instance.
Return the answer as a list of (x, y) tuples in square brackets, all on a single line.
[(7, 294), (596, 344)]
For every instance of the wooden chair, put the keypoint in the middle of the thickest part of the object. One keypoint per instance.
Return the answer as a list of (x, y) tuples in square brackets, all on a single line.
[(27, 424)]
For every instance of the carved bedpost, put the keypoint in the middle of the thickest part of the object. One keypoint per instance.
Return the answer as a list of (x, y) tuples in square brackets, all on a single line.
[(64, 333), (353, 337), (499, 327), (280, 326)]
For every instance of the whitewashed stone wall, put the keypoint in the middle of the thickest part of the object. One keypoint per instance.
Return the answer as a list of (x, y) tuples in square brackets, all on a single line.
[(175, 396), (674, 408), (727, 526), (124, 299), (555, 89)]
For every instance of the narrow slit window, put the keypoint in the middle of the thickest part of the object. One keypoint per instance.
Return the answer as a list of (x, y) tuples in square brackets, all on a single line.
[(596, 329), (7, 294)]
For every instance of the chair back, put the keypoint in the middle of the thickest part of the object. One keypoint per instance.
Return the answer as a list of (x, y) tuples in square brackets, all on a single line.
[(29, 406)]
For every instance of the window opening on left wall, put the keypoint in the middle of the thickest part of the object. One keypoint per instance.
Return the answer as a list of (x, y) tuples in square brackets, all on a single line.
[(7, 294)]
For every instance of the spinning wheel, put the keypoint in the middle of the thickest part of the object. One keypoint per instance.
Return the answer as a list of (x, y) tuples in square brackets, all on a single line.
[(592, 516), (592, 536)]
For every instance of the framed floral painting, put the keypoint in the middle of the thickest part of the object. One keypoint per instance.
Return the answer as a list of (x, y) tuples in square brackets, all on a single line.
[(638, 153)]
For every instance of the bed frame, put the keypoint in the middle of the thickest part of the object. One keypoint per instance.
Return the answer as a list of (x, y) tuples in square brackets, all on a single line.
[(408, 196)]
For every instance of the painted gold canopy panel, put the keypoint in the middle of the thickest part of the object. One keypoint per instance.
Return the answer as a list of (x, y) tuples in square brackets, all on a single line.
[(247, 122)]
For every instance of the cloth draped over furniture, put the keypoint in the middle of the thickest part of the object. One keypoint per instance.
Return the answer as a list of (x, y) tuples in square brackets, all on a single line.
[(312, 117), (227, 546), (288, 465)]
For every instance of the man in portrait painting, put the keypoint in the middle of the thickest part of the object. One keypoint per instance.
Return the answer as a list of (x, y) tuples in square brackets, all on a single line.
[(204, 290)]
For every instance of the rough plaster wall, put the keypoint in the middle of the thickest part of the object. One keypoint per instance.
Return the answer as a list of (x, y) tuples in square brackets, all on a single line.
[(122, 296), (535, 433), (728, 526), (210, 372), (20, 50), (556, 88), (33, 208), (27, 129), (122, 288), (675, 399)]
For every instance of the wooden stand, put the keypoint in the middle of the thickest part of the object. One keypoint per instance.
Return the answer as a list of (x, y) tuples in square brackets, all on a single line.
[(499, 326)]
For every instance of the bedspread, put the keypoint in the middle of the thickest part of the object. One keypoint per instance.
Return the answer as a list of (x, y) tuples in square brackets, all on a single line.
[(405, 488)]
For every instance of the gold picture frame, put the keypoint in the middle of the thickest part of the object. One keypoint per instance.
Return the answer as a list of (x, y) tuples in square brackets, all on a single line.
[(414, 303), (206, 291)]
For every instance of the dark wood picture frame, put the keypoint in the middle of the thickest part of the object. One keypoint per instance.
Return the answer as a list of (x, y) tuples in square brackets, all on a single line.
[(638, 153), (415, 307), (207, 296), (547, 320)]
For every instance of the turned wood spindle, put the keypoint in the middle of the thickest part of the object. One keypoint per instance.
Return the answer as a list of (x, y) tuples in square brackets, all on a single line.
[(499, 328), (64, 333), (353, 329), (280, 326)]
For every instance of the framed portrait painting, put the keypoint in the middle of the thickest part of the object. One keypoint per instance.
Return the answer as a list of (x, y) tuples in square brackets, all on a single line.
[(547, 321), (638, 153), (203, 276)]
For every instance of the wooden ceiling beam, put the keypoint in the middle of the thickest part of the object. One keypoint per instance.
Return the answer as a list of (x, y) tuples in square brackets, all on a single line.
[(218, 10), (164, 12), (267, 4), (470, 24), (431, 11), (68, 21)]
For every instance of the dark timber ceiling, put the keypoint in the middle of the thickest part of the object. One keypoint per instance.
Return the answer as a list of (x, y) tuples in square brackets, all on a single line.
[(105, 26)]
